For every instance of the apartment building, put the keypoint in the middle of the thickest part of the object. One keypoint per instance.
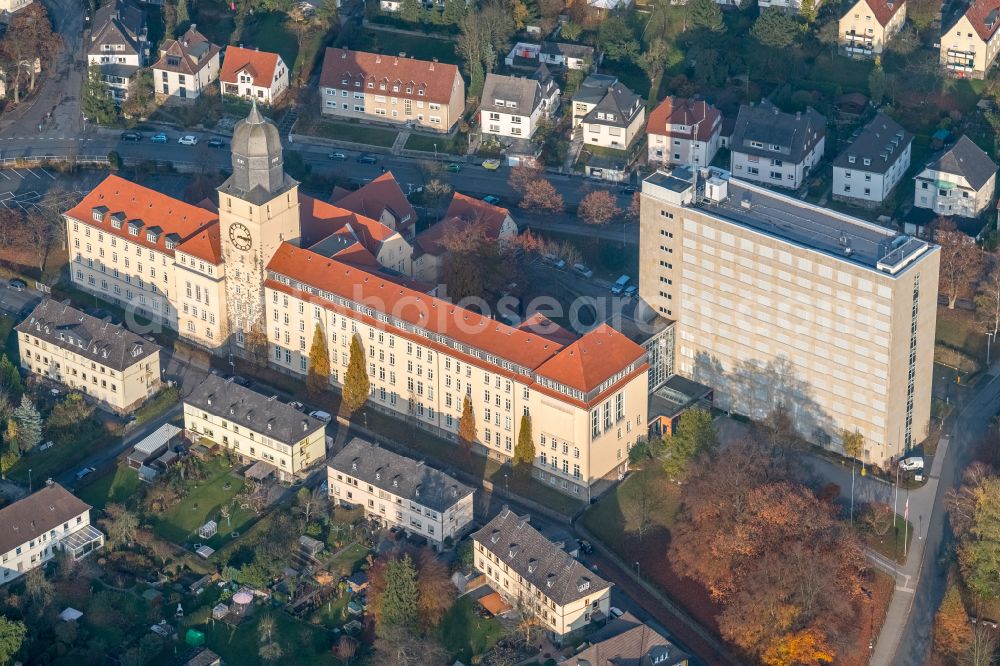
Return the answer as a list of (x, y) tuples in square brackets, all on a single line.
[(529, 570), (513, 105), (282, 268), (960, 181), (186, 67), (253, 74), (119, 44), (776, 148), (254, 426), (779, 302), (395, 89), (968, 44), (104, 361), (626, 640), (868, 169), (35, 528), (400, 492), (683, 131), (868, 25)]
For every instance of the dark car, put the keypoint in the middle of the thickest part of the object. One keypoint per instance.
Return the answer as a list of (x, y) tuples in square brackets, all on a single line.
[(367, 158), (216, 142), (17, 284), (133, 137), (627, 189)]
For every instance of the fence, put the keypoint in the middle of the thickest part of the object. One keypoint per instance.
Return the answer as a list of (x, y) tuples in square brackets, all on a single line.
[(43, 160)]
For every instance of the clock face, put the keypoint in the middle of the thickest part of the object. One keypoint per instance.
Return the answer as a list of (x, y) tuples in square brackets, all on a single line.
[(239, 236)]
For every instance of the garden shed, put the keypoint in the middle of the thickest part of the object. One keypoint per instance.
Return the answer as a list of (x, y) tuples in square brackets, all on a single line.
[(208, 530)]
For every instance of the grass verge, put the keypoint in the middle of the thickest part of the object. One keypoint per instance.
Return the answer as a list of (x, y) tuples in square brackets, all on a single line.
[(354, 132)]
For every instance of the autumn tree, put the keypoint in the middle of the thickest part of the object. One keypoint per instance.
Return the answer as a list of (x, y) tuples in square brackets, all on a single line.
[(121, 525), (653, 60), (952, 632), (38, 588), (396, 593), (345, 649), (634, 206), (988, 299), (524, 450), (484, 33), (694, 435), (806, 646), (522, 175), (961, 261), (467, 425), (475, 263), (141, 100), (599, 206), (434, 588), (402, 647), (878, 518), (979, 544), (318, 376), (541, 196), (356, 382)]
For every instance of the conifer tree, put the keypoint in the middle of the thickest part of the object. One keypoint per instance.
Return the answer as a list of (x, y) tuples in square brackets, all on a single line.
[(524, 452), (467, 425), (318, 377), (356, 383)]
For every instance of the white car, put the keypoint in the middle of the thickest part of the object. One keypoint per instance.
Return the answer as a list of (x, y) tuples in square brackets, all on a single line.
[(911, 464), (188, 140), (615, 611)]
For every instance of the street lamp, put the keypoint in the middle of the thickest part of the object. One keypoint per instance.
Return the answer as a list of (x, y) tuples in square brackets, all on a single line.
[(29, 479), (435, 151), (637, 574), (506, 488)]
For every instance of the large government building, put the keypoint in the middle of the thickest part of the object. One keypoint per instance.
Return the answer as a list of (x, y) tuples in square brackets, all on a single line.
[(781, 303), (271, 261)]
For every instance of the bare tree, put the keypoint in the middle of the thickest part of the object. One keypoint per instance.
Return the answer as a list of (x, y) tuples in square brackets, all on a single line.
[(961, 261), (982, 648), (988, 298), (647, 500)]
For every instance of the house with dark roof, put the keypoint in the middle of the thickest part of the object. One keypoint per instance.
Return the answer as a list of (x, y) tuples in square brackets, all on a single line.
[(969, 41), (775, 148), (683, 131), (186, 67), (397, 491), (254, 426), (868, 25), (464, 215), (959, 182), (35, 528), (119, 44), (556, 54), (253, 74), (626, 641), (392, 89), (527, 569), (609, 114), (106, 362), (877, 158), (512, 106)]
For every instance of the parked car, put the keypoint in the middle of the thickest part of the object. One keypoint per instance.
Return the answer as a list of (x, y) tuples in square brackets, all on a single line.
[(367, 158), (554, 261), (188, 140), (491, 164), (337, 156), (216, 142), (296, 405), (17, 284), (585, 546), (631, 290), (619, 286), (453, 167), (84, 472), (321, 416), (583, 271), (159, 138), (615, 611), (627, 189), (911, 464), (492, 200), (133, 137), (46, 446)]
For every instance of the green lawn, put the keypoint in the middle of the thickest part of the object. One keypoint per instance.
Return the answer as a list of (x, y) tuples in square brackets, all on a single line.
[(215, 20), (466, 635), (957, 329), (348, 560), (116, 486), (302, 644), (9, 338), (356, 132), (332, 614), (455, 145), (69, 450), (206, 496), (393, 43), (617, 514), (156, 407), (892, 544), (271, 31)]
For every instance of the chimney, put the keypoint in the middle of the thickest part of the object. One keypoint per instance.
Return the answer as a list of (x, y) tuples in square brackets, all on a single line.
[(343, 54), (798, 115), (378, 59)]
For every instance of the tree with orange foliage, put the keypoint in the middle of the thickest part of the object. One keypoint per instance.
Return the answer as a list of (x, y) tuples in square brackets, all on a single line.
[(800, 647), (598, 207), (540, 195), (632, 212), (435, 588), (952, 632), (522, 176)]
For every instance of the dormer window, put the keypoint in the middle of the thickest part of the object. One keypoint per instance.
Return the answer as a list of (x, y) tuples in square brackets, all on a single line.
[(868, 161), (775, 146), (343, 81), (421, 92), (498, 102), (371, 84), (756, 144), (851, 159), (151, 236), (409, 90), (170, 244), (98, 213), (512, 105), (381, 86), (395, 89)]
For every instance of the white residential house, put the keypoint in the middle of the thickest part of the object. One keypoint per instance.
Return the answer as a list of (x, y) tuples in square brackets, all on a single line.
[(683, 131), (970, 42), (186, 66), (867, 171), (776, 148), (513, 105), (610, 115), (868, 25), (960, 181), (794, 5), (253, 74), (34, 529), (400, 492), (119, 44)]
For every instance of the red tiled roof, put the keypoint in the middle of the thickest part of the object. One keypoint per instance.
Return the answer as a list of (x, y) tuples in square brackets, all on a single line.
[(206, 244), (436, 79), (463, 212), (320, 219), (884, 10), (372, 199), (984, 15), (541, 325), (684, 111), (141, 203), (469, 209), (588, 362), (261, 65), (594, 358)]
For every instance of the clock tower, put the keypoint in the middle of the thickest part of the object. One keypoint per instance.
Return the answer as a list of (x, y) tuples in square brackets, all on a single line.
[(258, 210)]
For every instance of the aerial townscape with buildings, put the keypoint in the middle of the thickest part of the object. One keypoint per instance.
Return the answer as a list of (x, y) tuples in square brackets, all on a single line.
[(499, 332)]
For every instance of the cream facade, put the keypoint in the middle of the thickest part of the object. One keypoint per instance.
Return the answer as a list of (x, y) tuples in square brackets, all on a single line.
[(107, 363), (13, 5), (969, 47), (609, 135), (869, 25), (828, 316)]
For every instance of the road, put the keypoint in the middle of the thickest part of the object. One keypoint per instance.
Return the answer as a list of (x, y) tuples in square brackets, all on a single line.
[(905, 636), (61, 85)]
